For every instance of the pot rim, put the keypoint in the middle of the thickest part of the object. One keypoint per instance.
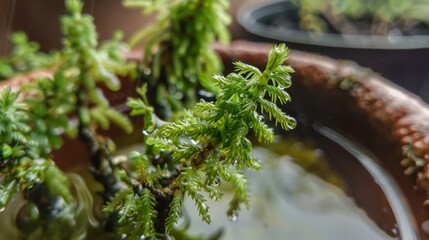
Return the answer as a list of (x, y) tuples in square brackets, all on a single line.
[(248, 17)]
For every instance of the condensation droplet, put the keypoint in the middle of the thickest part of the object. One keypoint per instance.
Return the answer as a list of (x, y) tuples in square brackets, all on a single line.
[(206, 94), (395, 231), (147, 71), (204, 206), (425, 227), (319, 153), (216, 182), (233, 217)]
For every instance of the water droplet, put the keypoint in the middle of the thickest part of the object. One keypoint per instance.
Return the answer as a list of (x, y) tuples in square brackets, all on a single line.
[(216, 182), (319, 153), (194, 142), (425, 227), (291, 126), (395, 231), (147, 71), (146, 133), (166, 174), (233, 217), (261, 118), (2, 209), (178, 95), (236, 161), (204, 206), (206, 94)]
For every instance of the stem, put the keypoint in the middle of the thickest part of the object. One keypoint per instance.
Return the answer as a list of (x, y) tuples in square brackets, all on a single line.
[(101, 160), (102, 167), (163, 208)]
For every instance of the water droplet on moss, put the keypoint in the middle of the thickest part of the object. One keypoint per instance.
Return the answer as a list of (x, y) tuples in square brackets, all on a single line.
[(425, 227), (206, 94), (233, 217), (216, 182)]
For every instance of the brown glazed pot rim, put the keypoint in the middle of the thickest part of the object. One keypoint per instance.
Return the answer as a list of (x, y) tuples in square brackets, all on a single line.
[(397, 117)]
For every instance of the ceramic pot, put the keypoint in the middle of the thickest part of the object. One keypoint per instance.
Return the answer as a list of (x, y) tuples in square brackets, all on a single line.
[(401, 59)]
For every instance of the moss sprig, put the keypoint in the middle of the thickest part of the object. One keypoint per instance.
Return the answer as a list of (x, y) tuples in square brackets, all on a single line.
[(25, 57), (209, 145), (86, 64), (23, 167), (178, 48)]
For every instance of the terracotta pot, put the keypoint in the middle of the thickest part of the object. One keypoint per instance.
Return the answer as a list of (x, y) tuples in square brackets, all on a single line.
[(344, 105)]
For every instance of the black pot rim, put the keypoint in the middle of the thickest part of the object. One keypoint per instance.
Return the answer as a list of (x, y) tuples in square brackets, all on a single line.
[(248, 17)]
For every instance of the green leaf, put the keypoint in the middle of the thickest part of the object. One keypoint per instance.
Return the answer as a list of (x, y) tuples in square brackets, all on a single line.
[(247, 70), (119, 119), (8, 188), (175, 211), (275, 113), (148, 213)]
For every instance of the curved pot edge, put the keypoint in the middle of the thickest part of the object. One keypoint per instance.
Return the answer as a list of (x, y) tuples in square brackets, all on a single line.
[(246, 19)]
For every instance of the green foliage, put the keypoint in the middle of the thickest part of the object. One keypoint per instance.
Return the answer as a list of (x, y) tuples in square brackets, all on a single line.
[(178, 47), (175, 211), (209, 144), (72, 91), (86, 64), (49, 107), (22, 165), (137, 213), (24, 58), (346, 16)]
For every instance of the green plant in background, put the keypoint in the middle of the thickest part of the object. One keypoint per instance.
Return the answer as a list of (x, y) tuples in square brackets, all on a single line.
[(177, 49), (71, 91), (209, 145), (85, 65), (377, 17), (48, 109), (25, 167), (24, 58)]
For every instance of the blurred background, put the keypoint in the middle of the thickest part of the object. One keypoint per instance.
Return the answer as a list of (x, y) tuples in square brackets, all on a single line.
[(40, 19), (401, 60)]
